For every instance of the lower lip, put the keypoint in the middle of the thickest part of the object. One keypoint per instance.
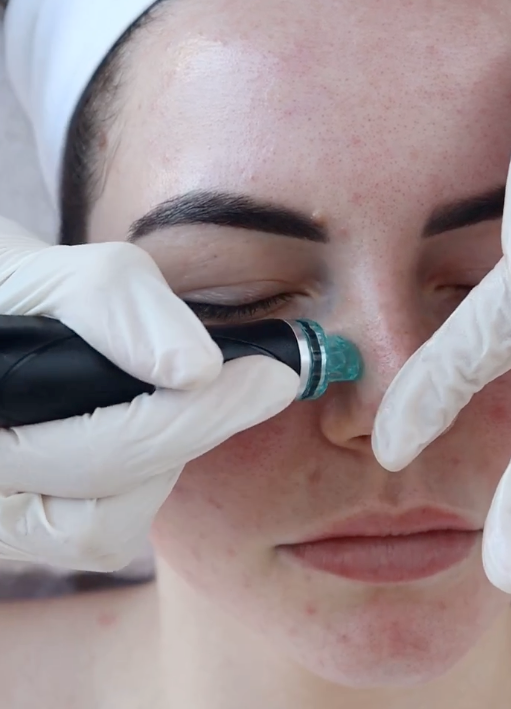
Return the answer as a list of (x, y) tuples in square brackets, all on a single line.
[(387, 559)]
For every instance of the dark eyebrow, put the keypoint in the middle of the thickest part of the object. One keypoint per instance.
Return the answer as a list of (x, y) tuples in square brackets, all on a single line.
[(230, 210), (467, 212)]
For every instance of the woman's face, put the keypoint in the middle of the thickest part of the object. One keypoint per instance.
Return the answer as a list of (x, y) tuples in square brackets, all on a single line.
[(372, 119)]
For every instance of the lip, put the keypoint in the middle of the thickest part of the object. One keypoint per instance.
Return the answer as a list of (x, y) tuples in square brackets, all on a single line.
[(381, 547), (381, 523)]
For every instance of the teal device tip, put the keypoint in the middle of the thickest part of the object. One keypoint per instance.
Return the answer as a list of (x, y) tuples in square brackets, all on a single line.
[(332, 359), (343, 360)]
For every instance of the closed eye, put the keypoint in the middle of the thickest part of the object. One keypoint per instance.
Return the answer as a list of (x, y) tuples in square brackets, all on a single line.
[(244, 311)]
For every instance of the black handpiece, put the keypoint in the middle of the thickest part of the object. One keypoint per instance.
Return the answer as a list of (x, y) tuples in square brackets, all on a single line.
[(47, 372)]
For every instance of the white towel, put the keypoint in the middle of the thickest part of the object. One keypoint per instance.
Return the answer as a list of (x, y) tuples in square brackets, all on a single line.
[(53, 49)]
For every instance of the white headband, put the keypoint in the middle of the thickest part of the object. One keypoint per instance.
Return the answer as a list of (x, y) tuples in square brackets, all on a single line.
[(53, 49)]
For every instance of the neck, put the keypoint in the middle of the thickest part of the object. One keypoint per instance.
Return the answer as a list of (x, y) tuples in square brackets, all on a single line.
[(213, 662)]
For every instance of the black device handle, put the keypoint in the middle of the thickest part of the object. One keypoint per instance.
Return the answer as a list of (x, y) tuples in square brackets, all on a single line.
[(48, 372)]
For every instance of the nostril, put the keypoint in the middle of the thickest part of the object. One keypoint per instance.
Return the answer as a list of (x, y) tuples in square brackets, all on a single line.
[(364, 441)]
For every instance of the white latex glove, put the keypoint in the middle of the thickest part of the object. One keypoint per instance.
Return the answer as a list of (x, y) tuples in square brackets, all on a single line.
[(470, 350), (82, 493)]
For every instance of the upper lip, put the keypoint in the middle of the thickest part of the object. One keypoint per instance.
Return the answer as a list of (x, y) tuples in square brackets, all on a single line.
[(379, 523)]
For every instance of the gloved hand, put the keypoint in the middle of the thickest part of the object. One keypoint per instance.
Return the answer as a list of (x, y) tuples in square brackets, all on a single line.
[(82, 493), (471, 349)]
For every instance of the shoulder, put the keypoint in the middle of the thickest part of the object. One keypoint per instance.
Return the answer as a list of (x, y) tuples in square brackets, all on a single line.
[(82, 651)]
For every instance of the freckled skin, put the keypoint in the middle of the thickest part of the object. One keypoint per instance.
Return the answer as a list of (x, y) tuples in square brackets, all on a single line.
[(367, 116)]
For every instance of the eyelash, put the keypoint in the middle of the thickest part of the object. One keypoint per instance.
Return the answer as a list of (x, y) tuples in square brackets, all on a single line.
[(226, 313)]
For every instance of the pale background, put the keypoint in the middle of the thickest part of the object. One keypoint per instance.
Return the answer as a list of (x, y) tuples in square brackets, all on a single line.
[(23, 198), (22, 195)]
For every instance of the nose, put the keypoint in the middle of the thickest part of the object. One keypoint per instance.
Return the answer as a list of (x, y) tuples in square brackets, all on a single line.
[(388, 328)]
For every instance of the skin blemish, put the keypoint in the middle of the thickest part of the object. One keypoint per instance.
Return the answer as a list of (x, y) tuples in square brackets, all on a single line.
[(499, 414), (315, 477), (214, 503), (455, 461), (107, 620), (319, 217)]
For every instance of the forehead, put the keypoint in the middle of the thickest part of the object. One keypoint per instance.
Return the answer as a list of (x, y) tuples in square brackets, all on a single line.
[(259, 95)]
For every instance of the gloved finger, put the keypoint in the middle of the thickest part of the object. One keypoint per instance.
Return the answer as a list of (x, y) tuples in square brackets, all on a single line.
[(506, 220), (470, 350), (84, 535), (15, 243), (114, 296), (497, 536), (118, 448)]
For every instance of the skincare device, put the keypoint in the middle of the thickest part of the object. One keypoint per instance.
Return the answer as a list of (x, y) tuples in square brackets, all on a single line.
[(47, 372)]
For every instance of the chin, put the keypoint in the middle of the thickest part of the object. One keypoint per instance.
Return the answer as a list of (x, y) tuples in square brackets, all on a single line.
[(386, 646), (347, 633), (379, 636)]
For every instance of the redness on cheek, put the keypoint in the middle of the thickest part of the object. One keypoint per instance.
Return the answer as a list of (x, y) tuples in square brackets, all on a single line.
[(251, 453), (455, 461), (499, 414)]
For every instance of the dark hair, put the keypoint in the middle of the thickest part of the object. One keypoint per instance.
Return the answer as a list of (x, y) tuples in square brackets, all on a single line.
[(94, 115)]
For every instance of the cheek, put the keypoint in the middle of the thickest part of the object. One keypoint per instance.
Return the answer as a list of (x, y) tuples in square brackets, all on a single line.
[(231, 507), (475, 453), (499, 413), (492, 407), (465, 465), (232, 497)]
